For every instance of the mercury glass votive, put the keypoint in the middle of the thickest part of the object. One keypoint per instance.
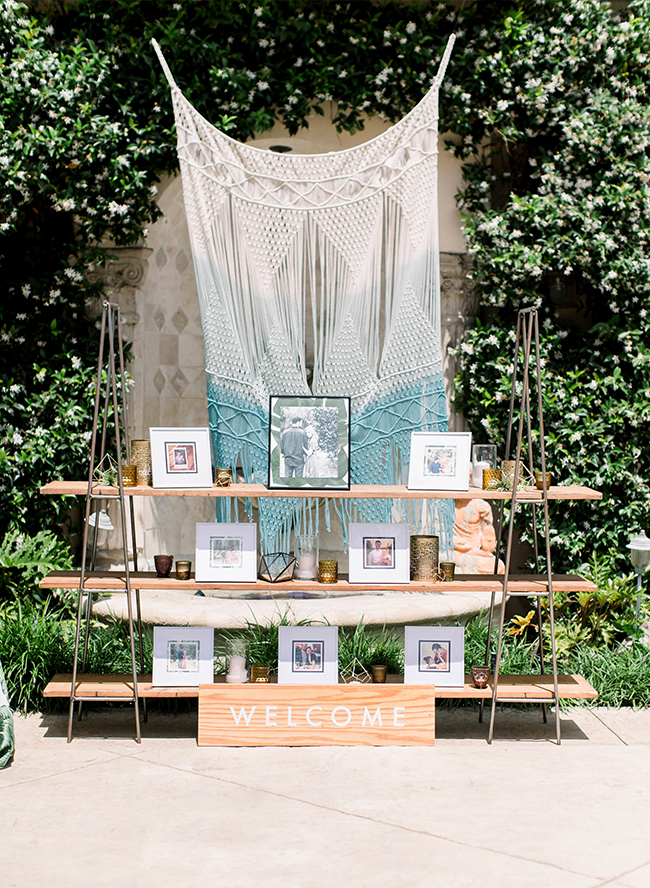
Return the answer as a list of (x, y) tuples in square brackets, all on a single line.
[(260, 673), (224, 478), (129, 475), (183, 570), (491, 478), (447, 570), (539, 480), (328, 571)]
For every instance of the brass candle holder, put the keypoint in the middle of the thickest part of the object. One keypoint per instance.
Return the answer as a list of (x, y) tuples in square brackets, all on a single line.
[(183, 570), (539, 480), (447, 570), (224, 478), (424, 557), (328, 571), (260, 674)]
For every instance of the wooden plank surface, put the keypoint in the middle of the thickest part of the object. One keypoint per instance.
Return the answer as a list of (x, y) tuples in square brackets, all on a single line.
[(98, 686), (360, 491), (113, 581), (522, 687), (316, 715)]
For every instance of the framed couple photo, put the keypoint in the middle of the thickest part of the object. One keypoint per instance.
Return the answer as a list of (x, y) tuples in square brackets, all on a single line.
[(308, 655), (434, 655), (309, 443), (439, 461), (379, 553), (226, 553), (181, 457), (183, 656)]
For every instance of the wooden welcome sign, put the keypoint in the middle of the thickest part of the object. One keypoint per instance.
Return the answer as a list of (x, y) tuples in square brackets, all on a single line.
[(316, 715)]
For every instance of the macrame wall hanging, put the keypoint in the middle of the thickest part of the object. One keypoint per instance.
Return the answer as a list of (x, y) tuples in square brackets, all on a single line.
[(339, 250)]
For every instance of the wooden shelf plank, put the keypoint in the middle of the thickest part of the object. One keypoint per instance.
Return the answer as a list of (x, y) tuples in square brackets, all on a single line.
[(113, 581), (511, 687), (359, 491)]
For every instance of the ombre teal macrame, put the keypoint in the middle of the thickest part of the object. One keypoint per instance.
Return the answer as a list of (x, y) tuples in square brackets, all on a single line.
[(337, 253)]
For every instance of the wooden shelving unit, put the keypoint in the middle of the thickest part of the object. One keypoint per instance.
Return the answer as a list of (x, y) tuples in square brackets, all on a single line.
[(514, 688), (114, 581)]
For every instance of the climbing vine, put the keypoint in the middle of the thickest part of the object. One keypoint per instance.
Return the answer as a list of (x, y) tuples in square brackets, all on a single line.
[(550, 105)]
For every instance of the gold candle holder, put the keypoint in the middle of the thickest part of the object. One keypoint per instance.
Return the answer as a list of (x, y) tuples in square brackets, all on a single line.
[(508, 472), (260, 674), (224, 478), (141, 459), (328, 571), (183, 570), (129, 475), (379, 674), (424, 557), (539, 480), (491, 478), (447, 570)]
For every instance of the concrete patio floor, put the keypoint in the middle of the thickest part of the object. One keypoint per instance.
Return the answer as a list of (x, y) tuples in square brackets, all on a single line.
[(105, 811)]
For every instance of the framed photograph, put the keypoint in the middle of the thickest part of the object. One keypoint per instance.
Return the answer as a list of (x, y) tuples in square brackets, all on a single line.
[(439, 461), (308, 655), (181, 457), (183, 655), (309, 443), (379, 553), (226, 553), (434, 655)]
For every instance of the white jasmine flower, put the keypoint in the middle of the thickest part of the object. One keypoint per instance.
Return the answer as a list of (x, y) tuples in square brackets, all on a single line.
[(410, 28), (17, 438), (26, 288)]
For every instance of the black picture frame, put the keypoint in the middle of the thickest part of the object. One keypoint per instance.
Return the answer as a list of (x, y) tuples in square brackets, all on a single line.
[(309, 443)]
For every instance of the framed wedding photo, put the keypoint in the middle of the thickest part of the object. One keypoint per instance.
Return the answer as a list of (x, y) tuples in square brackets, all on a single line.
[(379, 553), (309, 443), (181, 457), (308, 655), (226, 553), (439, 461), (434, 655), (183, 656)]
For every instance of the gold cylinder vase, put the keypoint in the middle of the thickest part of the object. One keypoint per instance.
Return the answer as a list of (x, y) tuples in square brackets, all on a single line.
[(141, 459), (424, 557)]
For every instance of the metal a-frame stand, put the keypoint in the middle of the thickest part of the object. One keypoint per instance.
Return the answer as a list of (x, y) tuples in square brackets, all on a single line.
[(110, 366), (526, 342)]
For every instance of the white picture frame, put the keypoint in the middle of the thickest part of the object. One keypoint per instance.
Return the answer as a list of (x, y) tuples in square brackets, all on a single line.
[(439, 461), (308, 655), (180, 457), (388, 562), (226, 553), (183, 656), (434, 655)]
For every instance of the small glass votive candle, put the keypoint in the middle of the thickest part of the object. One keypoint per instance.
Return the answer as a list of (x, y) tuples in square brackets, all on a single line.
[(306, 556), (129, 475), (224, 478), (447, 570), (163, 564), (183, 570), (260, 673), (539, 480), (480, 676), (484, 456), (328, 571), (491, 479), (379, 674)]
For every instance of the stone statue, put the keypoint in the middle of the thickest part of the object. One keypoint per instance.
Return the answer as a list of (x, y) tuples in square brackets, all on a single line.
[(475, 538)]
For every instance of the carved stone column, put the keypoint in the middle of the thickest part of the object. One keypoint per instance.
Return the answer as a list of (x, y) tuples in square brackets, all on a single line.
[(458, 310)]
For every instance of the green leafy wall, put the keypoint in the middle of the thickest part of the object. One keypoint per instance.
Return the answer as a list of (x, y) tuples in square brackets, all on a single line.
[(549, 100)]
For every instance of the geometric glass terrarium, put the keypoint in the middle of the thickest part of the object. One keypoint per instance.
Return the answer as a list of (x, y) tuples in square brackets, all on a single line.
[(277, 567)]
